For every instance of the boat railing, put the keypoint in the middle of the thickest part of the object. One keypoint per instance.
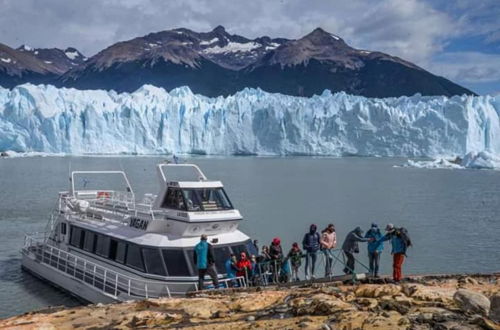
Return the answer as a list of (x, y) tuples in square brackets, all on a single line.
[(110, 282)]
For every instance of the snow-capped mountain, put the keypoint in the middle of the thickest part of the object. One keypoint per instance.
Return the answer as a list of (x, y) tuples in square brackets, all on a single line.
[(152, 120), (60, 60), (218, 63), (26, 64)]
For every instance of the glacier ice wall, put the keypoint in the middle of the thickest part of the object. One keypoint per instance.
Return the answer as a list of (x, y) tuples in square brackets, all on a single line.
[(151, 120)]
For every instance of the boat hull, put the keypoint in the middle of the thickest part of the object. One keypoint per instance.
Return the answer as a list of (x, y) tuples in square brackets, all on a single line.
[(75, 287)]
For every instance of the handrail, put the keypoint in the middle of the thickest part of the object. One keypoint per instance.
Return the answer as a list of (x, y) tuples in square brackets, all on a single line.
[(163, 176)]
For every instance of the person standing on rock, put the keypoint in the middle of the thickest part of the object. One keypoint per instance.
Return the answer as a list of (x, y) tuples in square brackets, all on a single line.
[(400, 241), (375, 248), (205, 262), (311, 245), (351, 246), (328, 242)]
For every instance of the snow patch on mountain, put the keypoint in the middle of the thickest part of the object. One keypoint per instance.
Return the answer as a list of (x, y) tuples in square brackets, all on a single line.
[(209, 42), (71, 55), (152, 120), (233, 47), (6, 60)]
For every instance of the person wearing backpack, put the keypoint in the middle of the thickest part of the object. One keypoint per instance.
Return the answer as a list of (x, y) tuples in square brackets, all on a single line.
[(310, 243), (400, 241)]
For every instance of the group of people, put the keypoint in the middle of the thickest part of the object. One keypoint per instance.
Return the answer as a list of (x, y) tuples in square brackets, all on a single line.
[(273, 265)]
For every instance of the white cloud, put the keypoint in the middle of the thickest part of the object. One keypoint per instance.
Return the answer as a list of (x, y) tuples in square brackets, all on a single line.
[(411, 29), (469, 67)]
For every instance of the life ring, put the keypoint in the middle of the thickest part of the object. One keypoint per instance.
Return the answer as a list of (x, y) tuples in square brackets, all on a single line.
[(103, 194)]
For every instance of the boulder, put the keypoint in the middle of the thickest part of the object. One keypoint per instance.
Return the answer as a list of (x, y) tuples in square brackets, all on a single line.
[(421, 292), (257, 301), (320, 304), (472, 302), (495, 308), (376, 290)]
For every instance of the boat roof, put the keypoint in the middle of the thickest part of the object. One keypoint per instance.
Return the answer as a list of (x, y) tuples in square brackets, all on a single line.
[(120, 231)]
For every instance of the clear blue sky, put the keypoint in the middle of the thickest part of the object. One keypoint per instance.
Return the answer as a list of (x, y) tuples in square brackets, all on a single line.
[(458, 39)]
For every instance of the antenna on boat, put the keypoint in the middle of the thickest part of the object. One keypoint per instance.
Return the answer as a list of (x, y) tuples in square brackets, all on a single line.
[(69, 170)]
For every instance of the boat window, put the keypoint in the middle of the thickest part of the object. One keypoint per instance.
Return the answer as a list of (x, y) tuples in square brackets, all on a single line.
[(121, 249), (174, 200), (89, 243), (175, 260), (221, 254), (206, 199), (102, 246), (237, 249), (63, 228), (76, 237), (113, 245), (153, 262), (134, 257), (251, 248)]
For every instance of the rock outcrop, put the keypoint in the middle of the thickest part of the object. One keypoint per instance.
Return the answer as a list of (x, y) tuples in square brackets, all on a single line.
[(419, 303)]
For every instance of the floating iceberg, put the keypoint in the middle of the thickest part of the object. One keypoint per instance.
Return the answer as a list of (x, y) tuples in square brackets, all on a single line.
[(475, 160), (152, 121)]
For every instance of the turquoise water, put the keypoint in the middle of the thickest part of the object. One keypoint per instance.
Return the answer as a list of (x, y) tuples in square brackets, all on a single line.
[(452, 215)]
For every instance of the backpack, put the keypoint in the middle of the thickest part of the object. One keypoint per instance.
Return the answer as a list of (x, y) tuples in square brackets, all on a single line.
[(405, 237)]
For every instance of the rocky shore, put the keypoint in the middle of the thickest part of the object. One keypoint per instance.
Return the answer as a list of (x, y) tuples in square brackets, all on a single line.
[(425, 302)]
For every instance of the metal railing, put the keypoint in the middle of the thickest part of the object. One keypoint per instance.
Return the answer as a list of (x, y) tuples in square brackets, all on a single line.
[(281, 271), (110, 282), (101, 278)]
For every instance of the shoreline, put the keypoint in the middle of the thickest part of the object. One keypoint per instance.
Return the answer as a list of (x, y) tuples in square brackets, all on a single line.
[(426, 301)]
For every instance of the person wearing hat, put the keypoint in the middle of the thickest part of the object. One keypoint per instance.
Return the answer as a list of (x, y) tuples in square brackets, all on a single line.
[(375, 248), (276, 254), (311, 245), (399, 243), (205, 262)]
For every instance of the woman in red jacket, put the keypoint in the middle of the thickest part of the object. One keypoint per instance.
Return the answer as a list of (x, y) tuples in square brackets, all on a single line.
[(244, 266)]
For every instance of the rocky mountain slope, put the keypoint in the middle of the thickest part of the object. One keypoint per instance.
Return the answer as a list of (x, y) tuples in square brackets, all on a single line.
[(39, 66), (419, 303), (218, 63)]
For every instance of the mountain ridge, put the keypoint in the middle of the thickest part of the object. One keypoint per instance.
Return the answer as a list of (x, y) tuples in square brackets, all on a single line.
[(219, 63)]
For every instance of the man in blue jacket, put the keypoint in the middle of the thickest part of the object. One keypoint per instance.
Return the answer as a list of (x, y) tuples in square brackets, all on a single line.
[(375, 248), (310, 243), (399, 246), (205, 262)]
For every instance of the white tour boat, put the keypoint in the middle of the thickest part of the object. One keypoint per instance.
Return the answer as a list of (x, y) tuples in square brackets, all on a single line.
[(102, 245)]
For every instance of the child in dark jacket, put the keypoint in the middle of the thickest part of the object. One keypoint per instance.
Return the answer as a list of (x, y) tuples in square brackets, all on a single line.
[(295, 256)]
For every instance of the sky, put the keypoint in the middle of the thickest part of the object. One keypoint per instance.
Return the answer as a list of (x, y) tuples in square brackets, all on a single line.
[(457, 39)]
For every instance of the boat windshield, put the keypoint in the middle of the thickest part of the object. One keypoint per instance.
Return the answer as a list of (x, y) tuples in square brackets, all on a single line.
[(206, 199)]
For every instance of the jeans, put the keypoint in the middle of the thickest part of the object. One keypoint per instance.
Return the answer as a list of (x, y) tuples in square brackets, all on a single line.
[(374, 258), (210, 271), (349, 269), (311, 258), (328, 262)]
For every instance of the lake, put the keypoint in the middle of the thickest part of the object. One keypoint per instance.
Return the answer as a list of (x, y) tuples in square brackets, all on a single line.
[(452, 215)]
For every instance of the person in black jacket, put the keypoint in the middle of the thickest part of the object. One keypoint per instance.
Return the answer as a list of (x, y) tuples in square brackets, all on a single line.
[(351, 246), (310, 243)]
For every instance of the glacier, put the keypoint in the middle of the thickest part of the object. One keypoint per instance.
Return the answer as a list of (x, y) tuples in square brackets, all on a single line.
[(43, 118)]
